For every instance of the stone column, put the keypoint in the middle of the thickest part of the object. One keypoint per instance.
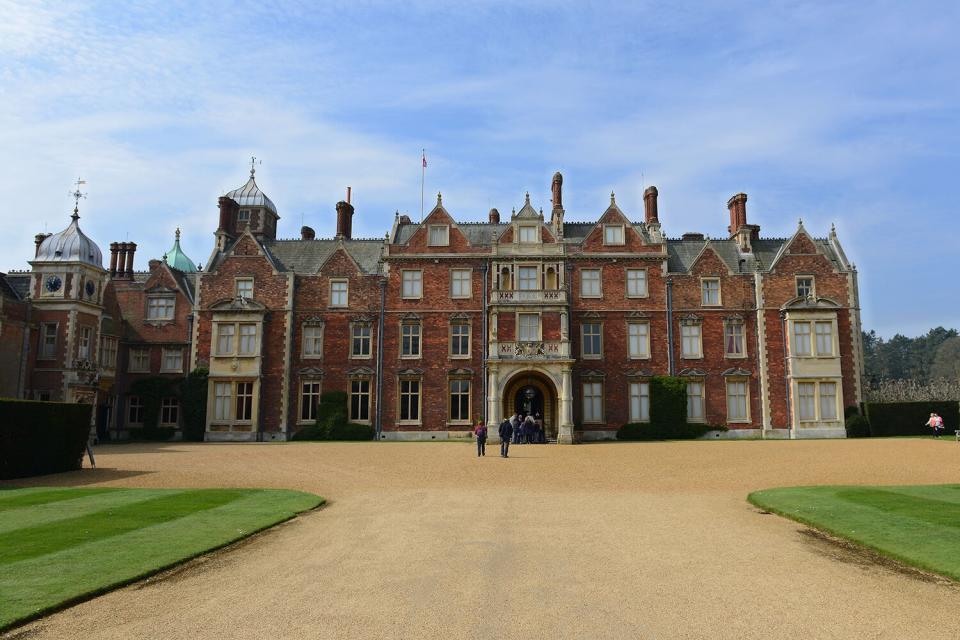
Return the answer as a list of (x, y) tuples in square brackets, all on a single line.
[(493, 403), (565, 428)]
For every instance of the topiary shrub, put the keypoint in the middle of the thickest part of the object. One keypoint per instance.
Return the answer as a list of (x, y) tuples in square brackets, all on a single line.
[(852, 410), (668, 400), (674, 431), (37, 438), (350, 431), (857, 426)]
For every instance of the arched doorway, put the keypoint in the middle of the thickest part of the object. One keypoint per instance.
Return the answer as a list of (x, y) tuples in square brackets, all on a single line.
[(531, 391)]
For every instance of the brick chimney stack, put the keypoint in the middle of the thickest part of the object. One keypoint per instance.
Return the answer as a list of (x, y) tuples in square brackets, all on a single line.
[(494, 216), (131, 249), (306, 233), (650, 205), (737, 206), (114, 248), (344, 220)]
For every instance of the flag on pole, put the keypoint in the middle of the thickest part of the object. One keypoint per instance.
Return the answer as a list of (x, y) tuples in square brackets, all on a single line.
[(424, 159)]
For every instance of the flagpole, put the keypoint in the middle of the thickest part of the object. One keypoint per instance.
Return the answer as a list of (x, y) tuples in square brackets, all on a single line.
[(423, 174)]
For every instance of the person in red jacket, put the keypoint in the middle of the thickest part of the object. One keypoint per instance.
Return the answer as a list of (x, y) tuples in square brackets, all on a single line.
[(481, 433), (936, 423)]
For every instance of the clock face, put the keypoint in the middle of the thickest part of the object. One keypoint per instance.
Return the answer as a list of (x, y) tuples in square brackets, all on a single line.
[(53, 283), (91, 288)]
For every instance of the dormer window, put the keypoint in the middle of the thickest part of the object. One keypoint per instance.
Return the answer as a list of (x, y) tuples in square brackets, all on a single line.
[(613, 234), (160, 307), (244, 216), (439, 235), (528, 233)]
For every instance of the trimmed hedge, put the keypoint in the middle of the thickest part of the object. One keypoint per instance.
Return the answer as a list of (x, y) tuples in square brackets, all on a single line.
[(857, 426), (668, 414), (37, 438), (908, 418), (332, 422)]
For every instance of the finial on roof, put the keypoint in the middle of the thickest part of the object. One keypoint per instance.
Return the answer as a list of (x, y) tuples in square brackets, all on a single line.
[(613, 198), (439, 198), (76, 198), (513, 211), (526, 198), (833, 229), (176, 234), (397, 214), (799, 222), (253, 165), (541, 210)]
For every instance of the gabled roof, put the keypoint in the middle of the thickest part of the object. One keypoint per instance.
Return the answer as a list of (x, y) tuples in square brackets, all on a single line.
[(307, 256), (681, 254)]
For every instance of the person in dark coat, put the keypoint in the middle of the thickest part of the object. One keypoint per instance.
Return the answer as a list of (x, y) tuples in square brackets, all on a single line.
[(506, 432), (528, 427), (516, 421), (481, 433)]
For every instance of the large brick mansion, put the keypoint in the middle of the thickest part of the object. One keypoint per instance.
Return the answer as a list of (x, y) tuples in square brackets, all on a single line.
[(444, 322)]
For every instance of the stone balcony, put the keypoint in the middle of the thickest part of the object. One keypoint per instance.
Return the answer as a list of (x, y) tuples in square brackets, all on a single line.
[(528, 296), (538, 350)]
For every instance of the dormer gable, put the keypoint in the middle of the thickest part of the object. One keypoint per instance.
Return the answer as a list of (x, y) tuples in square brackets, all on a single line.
[(339, 263), (709, 261), (801, 243), (438, 232), (613, 232)]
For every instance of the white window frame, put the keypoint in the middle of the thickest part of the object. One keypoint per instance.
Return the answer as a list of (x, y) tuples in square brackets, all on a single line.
[(161, 307), (310, 391), (733, 386), (459, 393), (339, 292), (731, 329), (811, 391), (704, 291), (592, 396), (49, 337), (226, 338), (640, 277), (520, 335), (812, 288), (135, 402), (367, 339), (829, 338), (461, 283), (596, 278), (412, 329), (801, 345), (311, 344), (223, 393), (245, 338), (360, 394), (168, 405), (524, 278), (242, 286), (401, 395), (134, 361), (236, 396), (445, 241), (641, 340), (697, 399), (108, 352), (84, 343), (639, 401), (686, 340), (525, 229), (583, 340), (166, 355), (456, 336), (411, 284), (614, 242)]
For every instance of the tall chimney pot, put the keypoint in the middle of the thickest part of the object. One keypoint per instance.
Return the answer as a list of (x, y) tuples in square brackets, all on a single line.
[(131, 249), (650, 205), (344, 220), (494, 216), (306, 233), (114, 248), (737, 206)]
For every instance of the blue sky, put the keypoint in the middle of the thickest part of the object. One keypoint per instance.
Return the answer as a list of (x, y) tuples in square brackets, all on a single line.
[(833, 112)]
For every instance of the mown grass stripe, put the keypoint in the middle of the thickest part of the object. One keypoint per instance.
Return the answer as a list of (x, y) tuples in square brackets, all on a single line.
[(17, 500), (37, 514), (940, 513), (43, 539), (32, 587)]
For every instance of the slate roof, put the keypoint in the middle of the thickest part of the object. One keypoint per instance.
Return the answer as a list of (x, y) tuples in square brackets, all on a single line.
[(19, 283), (682, 253), (306, 256), (6, 289)]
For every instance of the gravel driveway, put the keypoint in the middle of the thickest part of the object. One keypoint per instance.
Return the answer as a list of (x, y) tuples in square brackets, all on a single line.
[(425, 540)]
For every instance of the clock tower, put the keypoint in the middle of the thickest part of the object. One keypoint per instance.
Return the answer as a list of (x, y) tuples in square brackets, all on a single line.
[(67, 282)]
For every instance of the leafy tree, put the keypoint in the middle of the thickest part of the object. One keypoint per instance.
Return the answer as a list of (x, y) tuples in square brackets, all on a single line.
[(946, 364)]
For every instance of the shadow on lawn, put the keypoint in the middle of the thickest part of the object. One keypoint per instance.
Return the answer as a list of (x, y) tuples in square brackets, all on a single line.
[(78, 478)]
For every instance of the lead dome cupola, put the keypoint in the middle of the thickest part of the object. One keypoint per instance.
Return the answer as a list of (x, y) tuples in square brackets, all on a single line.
[(70, 245)]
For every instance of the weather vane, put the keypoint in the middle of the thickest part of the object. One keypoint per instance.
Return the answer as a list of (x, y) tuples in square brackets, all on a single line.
[(77, 195), (253, 165)]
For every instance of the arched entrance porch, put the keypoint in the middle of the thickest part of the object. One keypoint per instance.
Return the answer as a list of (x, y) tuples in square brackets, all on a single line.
[(532, 392)]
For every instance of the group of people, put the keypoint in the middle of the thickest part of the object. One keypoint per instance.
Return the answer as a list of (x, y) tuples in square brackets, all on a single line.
[(936, 423), (518, 429)]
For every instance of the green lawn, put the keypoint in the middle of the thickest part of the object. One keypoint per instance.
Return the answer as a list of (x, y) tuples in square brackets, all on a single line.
[(918, 525), (59, 546)]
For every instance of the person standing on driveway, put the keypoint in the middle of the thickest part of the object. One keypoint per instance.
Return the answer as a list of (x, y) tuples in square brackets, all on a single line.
[(936, 423), (505, 431), (481, 433), (515, 427)]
